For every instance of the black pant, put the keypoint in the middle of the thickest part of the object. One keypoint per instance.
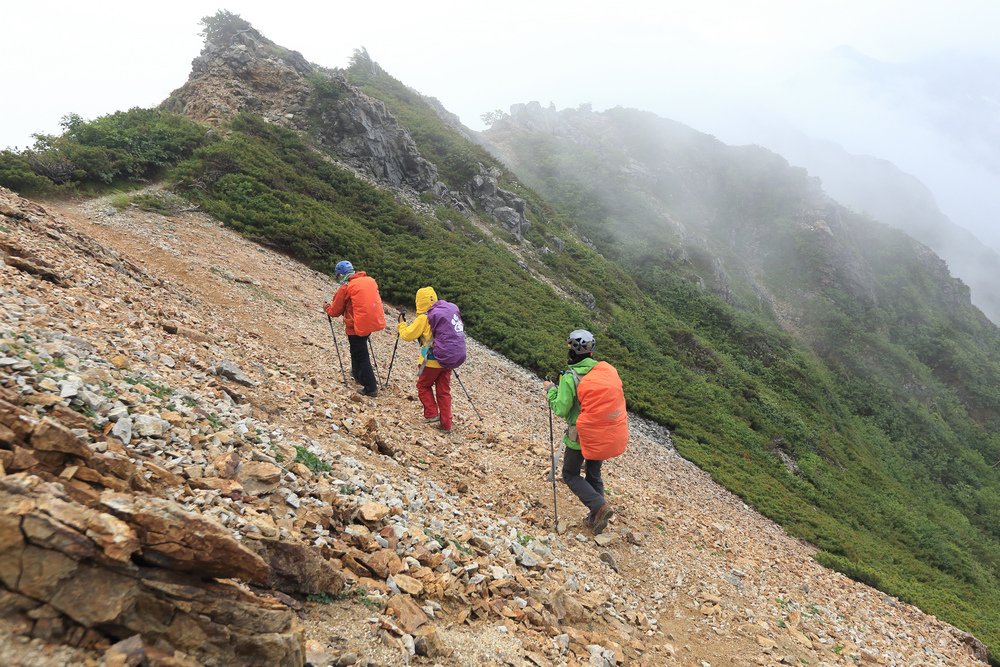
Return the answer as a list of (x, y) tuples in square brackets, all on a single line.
[(361, 363), (589, 489)]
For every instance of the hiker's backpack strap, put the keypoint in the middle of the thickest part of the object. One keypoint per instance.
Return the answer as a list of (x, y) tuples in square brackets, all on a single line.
[(576, 380), (571, 430)]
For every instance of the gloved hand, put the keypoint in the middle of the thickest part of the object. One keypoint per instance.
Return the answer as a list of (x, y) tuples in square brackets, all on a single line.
[(401, 318), (547, 385), (329, 309)]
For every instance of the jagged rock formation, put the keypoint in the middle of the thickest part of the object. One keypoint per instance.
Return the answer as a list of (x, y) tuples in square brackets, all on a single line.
[(364, 134), (506, 207), (241, 70)]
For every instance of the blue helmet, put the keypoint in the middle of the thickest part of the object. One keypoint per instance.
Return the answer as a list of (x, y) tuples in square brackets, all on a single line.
[(344, 267)]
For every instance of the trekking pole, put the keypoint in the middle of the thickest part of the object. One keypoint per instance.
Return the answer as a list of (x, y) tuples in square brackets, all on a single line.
[(457, 377), (374, 360), (552, 459), (391, 360), (337, 346)]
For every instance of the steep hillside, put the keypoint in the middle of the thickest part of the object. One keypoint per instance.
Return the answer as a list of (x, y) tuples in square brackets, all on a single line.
[(819, 366), (899, 399), (881, 190), (202, 428)]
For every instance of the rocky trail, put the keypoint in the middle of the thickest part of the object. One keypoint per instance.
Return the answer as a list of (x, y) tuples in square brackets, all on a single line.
[(184, 479)]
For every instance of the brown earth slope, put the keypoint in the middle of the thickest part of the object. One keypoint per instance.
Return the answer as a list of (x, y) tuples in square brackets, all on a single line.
[(180, 460)]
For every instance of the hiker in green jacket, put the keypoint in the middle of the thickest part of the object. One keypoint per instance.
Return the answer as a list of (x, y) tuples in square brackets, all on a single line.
[(563, 401)]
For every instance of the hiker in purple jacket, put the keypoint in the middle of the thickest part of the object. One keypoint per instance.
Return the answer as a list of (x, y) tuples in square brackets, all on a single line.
[(438, 326)]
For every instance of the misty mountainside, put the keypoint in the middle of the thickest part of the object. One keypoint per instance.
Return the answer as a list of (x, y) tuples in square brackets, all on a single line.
[(910, 365), (880, 189), (824, 367)]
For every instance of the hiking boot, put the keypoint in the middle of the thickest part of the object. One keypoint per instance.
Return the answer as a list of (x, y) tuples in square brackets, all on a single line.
[(442, 428), (365, 392), (431, 420), (604, 513)]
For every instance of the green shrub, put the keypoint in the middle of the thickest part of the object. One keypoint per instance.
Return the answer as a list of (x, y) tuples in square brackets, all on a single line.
[(120, 201), (17, 173), (223, 24), (310, 460), (852, 569), (128, 146), (156, 201)]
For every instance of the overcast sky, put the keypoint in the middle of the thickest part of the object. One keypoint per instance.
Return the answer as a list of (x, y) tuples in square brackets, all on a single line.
[(697, 62)]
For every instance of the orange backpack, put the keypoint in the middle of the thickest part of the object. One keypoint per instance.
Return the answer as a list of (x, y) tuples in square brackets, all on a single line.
[(366, 304), (602, 426)]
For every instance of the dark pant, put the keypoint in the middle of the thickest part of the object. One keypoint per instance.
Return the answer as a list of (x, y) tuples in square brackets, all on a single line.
[(589, 489), (361, 363)]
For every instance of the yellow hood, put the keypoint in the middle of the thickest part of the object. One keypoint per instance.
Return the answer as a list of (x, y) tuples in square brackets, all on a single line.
[(426, 296)]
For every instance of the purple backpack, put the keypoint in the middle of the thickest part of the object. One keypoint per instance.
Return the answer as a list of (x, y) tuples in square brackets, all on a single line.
[(448, 331)]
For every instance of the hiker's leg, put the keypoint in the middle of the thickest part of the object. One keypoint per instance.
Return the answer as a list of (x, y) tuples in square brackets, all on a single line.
[(442, 389), (352, 342), (593, 475), (424, 384), (366, 376), (572, 462)]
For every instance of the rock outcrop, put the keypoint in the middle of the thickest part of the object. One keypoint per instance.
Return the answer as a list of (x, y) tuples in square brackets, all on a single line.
[(505, 206), (243, 71), (362, 132), (86, 565)]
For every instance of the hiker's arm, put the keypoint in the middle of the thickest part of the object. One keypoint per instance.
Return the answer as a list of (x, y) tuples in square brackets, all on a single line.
[(339, 302), (561, 399), (412, 330)]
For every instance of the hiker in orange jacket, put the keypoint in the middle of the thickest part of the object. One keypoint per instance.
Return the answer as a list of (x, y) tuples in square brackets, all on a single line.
[(433, 378), (564, 403), (358, 300)]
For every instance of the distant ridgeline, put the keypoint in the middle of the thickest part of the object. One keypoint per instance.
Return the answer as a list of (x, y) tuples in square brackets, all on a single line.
[(882, 190), (824, 367)]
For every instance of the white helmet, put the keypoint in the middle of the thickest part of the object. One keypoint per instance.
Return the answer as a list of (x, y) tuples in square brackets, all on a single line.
[(581, 341)]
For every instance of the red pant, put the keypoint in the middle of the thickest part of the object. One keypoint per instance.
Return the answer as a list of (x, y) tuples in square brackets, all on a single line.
[(438, 379)]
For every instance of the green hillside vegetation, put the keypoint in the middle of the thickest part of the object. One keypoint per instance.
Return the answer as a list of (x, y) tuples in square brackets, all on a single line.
[(898, 440), (125, 148), (878, 487)]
